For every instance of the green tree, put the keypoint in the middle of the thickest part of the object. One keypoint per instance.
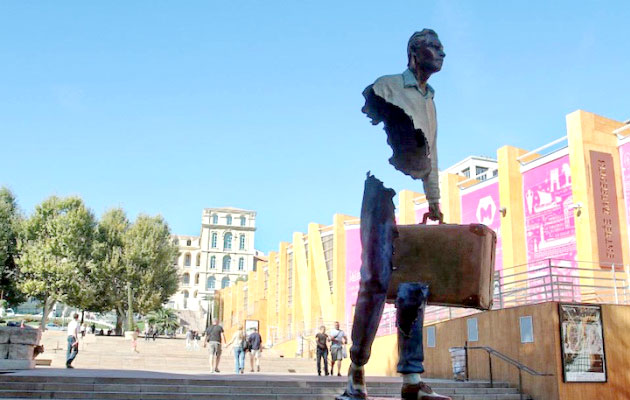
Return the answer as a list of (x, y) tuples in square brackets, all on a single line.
[(109, 275), (55, 251), (138, 256), (9, 227), (149, 255), (163, 319)]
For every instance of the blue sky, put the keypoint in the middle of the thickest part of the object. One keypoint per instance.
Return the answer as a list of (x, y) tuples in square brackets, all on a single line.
[(169, 107)]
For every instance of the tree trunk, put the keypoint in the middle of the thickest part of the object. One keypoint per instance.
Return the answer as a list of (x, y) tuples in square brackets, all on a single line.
[(120, 319), (45, 311)]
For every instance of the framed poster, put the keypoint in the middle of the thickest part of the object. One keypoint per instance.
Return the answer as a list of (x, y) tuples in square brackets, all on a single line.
[(249, 324), (582, 341)]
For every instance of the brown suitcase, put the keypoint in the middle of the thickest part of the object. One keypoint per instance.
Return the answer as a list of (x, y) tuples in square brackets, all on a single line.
[(457, 261)]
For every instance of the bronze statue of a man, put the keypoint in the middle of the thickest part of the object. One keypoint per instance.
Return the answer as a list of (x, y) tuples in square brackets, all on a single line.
[(404, 103)]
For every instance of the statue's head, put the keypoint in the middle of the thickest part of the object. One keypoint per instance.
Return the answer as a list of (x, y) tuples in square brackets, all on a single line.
[(425, 52)]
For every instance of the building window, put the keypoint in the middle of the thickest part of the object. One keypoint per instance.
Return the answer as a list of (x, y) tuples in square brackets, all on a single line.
[(243, 220), (466, 172), (431, 336), (175, 242), (198, 263), (289, 279), (210, 283), (214, 240), (228, 220), (495, 172), (186, 279), (213, 262), (327, 244), (177, 259), (480, 170), (188, 242), (185, 298), (527, 329), (473, 329), (227, 241), (225, 282), (241, 264), (196, 280), (226, 263), (187, 260), (215, 219), (241, 242)]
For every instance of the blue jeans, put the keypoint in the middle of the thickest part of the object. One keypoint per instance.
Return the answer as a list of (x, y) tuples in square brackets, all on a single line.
[(72, 350), (239, 359)]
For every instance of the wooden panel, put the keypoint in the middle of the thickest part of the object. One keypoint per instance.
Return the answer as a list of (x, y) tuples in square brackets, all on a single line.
[(616, 321), (500, 330)]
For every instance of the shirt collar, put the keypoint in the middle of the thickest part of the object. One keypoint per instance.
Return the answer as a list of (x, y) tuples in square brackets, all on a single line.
[(409, 80)]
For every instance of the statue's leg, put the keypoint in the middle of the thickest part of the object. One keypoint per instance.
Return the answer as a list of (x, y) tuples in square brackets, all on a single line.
[(411, 301), (378, 231)]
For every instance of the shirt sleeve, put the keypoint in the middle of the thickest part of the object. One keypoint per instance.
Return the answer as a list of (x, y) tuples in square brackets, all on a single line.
[(432, 182)]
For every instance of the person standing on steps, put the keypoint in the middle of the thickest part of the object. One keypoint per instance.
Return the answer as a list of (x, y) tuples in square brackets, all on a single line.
[(214, 338), (73, 340), (321, 340), (338, 340), (239, 339), (254, 341)]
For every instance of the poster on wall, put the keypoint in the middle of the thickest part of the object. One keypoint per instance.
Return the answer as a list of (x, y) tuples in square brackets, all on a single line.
[(250, 325), (582, 341), (480, 205), (550, 227)]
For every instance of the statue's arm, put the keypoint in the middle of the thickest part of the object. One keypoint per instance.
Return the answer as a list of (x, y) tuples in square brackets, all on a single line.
[(432, 181)]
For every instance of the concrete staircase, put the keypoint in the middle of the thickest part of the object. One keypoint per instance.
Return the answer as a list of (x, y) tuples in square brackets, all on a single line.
[(110, 384)]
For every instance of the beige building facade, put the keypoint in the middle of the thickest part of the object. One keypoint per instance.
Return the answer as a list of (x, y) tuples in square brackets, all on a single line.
[(222, 254)]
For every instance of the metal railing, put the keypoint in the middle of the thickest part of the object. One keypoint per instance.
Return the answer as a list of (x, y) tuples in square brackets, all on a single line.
[(492, 352)]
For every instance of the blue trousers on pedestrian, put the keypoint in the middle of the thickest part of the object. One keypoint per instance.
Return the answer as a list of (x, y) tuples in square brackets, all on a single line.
[(239, 359), (72, 350)]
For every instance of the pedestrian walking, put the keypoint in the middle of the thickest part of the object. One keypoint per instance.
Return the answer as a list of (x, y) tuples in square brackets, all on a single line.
[(195, 342), (134, 340), (338, 340), (240, 347), (214, 337), (254, 341), (189, 339), (321, 340), (73, 341)]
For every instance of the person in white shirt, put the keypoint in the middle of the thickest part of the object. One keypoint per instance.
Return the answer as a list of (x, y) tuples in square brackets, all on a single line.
[(73, 340)]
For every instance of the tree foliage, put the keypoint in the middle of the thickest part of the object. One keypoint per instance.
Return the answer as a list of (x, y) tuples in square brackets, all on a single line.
[(9, 227), (139, 255), (163, 320), (55, 251)]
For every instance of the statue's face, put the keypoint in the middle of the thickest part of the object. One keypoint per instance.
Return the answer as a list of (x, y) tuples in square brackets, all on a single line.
[(430, 55)]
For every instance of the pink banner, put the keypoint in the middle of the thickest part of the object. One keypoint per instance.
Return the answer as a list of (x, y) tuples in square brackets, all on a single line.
[(353, 280), (480, 205), (550, 226), (624, 154)]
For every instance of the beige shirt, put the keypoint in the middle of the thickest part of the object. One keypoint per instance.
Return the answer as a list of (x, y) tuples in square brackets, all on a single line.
[(403, 91)]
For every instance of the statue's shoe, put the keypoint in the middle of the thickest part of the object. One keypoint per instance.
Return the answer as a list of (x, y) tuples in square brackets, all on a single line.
[(356, 389), (420, 391)]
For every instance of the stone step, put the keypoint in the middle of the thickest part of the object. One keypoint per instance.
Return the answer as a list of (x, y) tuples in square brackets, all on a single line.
[(4, 394), (178, 388), (232, 380)]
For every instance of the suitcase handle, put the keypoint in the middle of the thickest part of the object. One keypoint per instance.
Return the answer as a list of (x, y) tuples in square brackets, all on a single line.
[(425, 218)]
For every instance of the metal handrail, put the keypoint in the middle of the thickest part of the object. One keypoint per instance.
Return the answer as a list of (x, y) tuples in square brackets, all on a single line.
[(492, 352)]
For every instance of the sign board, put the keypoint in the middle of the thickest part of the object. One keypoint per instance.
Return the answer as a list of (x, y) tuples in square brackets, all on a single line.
[(606, 208)]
